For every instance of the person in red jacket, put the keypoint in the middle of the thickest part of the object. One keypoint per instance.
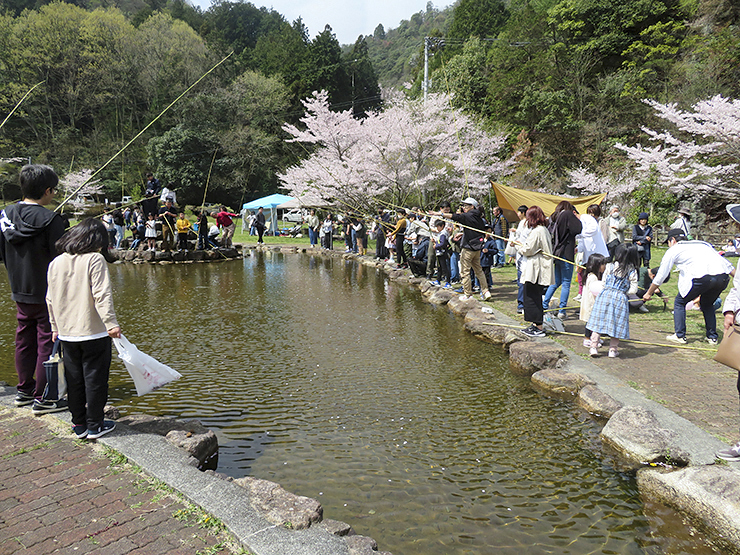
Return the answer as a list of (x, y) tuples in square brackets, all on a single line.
[(223, 220)]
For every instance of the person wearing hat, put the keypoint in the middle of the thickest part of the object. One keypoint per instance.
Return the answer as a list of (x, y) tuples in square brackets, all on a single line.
[(683, 222), (471, 218), (702, 272), (642, 236), (612, 228)]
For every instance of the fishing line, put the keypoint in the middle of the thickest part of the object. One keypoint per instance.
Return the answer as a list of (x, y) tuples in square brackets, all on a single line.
[(186, 91)]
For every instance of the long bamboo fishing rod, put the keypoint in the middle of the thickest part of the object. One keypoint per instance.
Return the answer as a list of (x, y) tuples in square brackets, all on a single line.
[(20, 102), (171, 104), (507, 239)]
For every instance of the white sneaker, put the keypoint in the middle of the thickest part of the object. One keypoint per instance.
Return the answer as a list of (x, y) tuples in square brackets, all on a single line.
[(464, 298), (577, 298), (486, 295), (593, 351), (643, 308), (676, 339), (711, 340), (587, 343), (613, 353), (732, 454)]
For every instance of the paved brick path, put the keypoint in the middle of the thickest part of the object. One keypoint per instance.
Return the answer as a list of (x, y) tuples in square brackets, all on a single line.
[(62, 495)]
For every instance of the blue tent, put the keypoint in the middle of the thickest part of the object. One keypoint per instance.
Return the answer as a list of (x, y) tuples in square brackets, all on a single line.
[(270, 203)]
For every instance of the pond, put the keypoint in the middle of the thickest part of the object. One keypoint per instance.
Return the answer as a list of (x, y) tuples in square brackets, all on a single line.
[(326, 377)]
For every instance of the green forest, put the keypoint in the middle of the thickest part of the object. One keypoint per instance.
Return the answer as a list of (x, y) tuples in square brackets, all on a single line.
[(565, 79)]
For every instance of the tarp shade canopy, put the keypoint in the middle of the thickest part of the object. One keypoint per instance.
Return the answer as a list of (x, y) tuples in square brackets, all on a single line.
[(270, 202), (509, 199)]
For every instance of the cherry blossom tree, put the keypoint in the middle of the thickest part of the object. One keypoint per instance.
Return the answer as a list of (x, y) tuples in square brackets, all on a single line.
[(70, 183), (699, 161), (412, 151), (617, 187)]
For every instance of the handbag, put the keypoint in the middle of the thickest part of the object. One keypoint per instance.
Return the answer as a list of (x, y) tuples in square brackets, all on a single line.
[(56, 383), (728, 352), (147, 372)]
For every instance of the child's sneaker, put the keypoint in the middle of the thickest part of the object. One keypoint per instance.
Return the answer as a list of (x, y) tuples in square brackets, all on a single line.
[(587, 343), (593, 351), (104, 428), (613, 353)]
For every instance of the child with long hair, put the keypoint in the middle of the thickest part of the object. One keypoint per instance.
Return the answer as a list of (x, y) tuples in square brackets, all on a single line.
[(80, 305), (594, 272), (610, 313)]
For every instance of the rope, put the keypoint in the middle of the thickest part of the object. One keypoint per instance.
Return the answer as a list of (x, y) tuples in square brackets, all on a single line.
[(635, 341)]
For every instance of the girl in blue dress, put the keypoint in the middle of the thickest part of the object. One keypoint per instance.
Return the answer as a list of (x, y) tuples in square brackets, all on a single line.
[(610, 313)]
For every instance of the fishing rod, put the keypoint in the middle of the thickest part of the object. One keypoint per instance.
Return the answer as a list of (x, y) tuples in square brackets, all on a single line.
[(507, 239), (20, 102), (186, 91)]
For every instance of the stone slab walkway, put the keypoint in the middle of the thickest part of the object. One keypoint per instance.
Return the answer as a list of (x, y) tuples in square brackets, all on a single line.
[(62, 495)]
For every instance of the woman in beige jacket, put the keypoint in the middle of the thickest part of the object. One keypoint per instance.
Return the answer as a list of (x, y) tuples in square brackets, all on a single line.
[(537, 270), (81, 313)]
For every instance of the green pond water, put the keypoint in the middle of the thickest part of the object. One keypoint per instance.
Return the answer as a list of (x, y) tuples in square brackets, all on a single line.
[(324, 376)]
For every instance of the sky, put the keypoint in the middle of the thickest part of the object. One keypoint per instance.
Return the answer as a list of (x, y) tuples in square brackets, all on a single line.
[(347, 18)]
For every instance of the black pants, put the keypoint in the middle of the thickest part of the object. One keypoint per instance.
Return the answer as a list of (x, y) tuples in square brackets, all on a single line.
[(86, 368), (533, 311), (443, 268), (380, 250), (400, 253), (260, 233)]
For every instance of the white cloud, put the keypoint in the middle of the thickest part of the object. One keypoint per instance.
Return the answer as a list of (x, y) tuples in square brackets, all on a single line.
[(347, 18)]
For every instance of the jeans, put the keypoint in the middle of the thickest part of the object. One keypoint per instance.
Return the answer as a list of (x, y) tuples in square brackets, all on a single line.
[(120, 232), (312, 236), (443, 269), (455, 267), (563, 277), (500, 259), (709, 287)]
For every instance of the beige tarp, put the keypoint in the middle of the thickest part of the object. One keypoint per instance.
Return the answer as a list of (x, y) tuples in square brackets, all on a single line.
[(510, 199)]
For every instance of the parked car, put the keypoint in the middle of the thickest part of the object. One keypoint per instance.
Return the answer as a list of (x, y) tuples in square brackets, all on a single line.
[(294, 215)]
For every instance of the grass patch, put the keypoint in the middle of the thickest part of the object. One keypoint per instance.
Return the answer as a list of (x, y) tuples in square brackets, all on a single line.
[(21, 451)]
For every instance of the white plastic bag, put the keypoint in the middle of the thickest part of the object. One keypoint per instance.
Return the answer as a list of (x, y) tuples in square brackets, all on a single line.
[(148, 373)]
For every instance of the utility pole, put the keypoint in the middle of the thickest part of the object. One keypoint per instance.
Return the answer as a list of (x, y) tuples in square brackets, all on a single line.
[(426, 68)]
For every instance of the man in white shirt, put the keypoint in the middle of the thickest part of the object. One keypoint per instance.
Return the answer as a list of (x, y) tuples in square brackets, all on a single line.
[(702, 272)]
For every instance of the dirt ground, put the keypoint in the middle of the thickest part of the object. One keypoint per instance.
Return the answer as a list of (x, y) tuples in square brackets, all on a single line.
[(686, 380)]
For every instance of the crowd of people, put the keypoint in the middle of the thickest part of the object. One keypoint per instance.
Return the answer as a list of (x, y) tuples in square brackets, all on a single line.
[(73, 304), (173, 226)]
